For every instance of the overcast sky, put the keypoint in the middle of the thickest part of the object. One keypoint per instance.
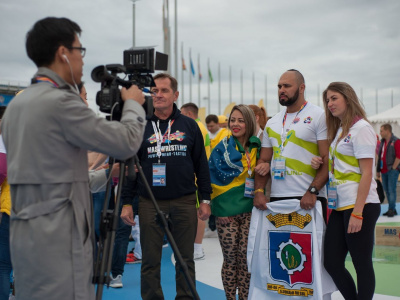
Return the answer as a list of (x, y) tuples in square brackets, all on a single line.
[(354, 41)]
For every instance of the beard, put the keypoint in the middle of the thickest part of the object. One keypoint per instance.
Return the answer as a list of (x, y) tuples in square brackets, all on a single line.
[(290, 101)]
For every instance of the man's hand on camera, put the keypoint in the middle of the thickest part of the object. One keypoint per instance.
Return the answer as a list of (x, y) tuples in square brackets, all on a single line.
[(132, 93)]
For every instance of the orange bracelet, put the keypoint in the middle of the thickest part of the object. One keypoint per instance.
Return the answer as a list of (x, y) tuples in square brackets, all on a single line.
[(357, 217), (259, 190)]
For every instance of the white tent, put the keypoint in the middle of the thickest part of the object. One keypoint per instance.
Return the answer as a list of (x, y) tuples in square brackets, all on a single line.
[(390, 116)]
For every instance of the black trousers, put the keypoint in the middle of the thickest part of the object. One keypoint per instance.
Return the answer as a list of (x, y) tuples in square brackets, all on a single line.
[(182, 214), (360, 245)]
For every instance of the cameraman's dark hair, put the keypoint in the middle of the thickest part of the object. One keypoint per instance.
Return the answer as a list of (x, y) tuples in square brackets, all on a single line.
[(191, 107), (43, 40), (212, 118), (174, 83)]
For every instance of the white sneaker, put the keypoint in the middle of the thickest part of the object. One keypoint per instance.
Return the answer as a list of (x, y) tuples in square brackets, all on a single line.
[(199, 255), (116, 282)]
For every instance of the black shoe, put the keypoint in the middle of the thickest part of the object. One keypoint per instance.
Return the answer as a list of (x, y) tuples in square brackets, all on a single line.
[(395, 212), (390, 213), (385, 214)]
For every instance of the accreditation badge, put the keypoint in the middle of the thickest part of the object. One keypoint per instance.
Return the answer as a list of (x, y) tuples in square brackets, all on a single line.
[(159, 175), (279, 168), (249, 188), (332, 196)]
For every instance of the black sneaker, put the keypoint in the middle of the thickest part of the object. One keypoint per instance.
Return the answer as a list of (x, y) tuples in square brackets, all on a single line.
[(390, 213), (395, 212)]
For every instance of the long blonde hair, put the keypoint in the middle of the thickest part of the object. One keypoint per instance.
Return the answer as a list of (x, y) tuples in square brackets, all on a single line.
[(354, 109)]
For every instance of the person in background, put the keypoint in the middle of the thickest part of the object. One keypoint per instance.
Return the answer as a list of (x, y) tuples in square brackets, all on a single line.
[(232, 164), (223, 124), (5, 211), (388, 166), (261, 119), (192, 111), (352, 192), (212, 126), (223, 121)]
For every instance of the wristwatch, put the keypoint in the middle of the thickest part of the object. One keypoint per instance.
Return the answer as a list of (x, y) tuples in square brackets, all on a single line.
[(206, 201), (313, 190)]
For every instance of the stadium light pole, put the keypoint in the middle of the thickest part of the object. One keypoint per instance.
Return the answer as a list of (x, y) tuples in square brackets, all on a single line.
[(133, 22)]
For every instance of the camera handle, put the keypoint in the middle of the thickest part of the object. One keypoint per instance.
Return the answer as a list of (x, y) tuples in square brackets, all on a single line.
[(108, 227)]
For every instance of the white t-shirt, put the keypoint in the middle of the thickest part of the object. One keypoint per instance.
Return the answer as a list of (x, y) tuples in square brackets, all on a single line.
[(213, 135), (303, 131), (2, 147), (359, 143)]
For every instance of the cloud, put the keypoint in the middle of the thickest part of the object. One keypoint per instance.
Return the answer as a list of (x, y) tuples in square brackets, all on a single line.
[(354, 41)]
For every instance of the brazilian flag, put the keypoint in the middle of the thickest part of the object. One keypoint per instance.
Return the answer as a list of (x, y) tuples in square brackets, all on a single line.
[(229, 170)]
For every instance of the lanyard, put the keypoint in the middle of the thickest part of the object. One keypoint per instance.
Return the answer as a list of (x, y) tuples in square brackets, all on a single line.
[(160, 137), (283, 138), (46, 79), (385, 144), (334, 151), (248, 163)]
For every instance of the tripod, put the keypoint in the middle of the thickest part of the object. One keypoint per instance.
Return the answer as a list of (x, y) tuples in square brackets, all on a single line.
[(108, 227)]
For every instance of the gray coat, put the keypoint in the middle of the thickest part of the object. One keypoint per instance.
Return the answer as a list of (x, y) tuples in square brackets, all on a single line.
[(47, 132)]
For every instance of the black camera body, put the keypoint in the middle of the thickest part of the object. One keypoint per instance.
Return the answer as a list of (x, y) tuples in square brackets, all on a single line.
[(139, 64)]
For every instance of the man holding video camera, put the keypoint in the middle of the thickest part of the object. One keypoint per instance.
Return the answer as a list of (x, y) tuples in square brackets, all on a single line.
[(47, 131), (171, 154)]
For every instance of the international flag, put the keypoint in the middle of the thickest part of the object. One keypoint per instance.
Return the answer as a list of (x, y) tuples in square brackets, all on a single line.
[(210, 75), (200, 75), (290, 256), (183, 64), (192, 67)]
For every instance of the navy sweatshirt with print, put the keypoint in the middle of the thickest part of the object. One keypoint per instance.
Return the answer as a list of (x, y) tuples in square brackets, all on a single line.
[(183, 153)]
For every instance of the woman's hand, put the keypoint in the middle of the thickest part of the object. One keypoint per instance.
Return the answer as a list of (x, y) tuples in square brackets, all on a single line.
[(316, 162), (355, 225)]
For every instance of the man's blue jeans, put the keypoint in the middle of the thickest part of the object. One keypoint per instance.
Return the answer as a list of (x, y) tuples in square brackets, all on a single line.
[(389, 182), (5, 260), (121, 243)]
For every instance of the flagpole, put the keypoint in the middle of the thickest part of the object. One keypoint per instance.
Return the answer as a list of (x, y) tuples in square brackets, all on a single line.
[(176, 39), (241, 86), (254, 89), (219, 88), (198, 66), (209, 95), (182, 78), (266, 93), (230, 85), (190, 75), (166, 29)]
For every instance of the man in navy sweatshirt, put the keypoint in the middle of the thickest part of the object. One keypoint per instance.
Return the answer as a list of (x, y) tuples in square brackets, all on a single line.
[(172, 155)]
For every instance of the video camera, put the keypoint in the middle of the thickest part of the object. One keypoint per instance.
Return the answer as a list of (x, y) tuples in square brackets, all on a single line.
[(139, 63)]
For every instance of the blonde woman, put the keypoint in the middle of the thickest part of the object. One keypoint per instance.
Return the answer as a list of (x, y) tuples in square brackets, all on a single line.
[(352, 192)]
